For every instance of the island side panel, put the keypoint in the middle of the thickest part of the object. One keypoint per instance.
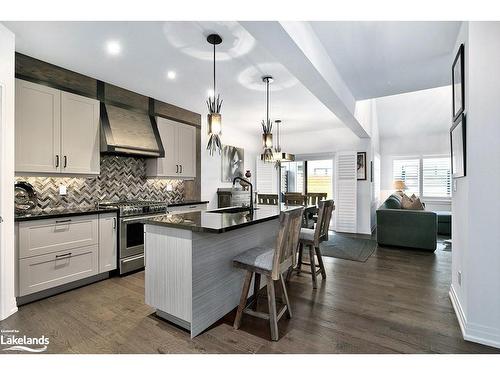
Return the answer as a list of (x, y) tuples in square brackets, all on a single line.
[(216, 282), (168, 278)]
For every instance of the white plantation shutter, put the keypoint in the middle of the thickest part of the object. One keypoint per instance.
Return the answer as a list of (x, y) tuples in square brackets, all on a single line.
[(436, 173), (266, 177), (346, 192), (407, 170)]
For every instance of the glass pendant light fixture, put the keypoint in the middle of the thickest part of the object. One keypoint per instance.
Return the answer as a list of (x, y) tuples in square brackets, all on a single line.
[(267, 128), (280, 156), (214, 119)]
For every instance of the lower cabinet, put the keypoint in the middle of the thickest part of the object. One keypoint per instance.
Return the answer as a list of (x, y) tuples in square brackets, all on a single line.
[(108, 238), (54, 252), (50, 270)]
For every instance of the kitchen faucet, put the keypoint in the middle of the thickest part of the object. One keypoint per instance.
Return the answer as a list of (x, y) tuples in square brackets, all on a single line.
[(251, 189)]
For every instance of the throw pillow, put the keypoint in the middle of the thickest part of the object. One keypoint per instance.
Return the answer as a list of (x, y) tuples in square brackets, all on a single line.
[(408, 203)]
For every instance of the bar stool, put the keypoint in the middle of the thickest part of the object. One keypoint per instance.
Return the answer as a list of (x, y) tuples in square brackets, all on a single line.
[(312, 238), (271, 263)]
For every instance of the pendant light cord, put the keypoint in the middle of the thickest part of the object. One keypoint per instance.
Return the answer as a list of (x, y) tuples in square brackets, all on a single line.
[(214, 71), (267, 100)]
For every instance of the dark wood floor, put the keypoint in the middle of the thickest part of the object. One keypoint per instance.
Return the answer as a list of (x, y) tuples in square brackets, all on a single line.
[(396, 302)]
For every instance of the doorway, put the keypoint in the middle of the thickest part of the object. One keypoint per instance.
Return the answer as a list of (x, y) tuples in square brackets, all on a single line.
[(308, 176)]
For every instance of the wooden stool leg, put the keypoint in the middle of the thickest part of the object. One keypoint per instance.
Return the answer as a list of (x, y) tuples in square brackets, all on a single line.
[(313, 267), (320, 261), (299, 262), (243, 299), (256, 288), (271, 300), (285, 297)]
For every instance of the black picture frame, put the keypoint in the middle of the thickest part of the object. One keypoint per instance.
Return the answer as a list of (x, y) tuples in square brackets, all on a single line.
[(361, 166), (458, 84), (458, 147)]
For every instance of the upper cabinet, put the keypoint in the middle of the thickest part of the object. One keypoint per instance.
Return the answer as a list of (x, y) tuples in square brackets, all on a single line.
[(179, 142), (56, 131), (38, 128)]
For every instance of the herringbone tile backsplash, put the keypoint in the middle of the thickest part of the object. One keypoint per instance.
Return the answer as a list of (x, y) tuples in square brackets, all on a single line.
[(120, 178)]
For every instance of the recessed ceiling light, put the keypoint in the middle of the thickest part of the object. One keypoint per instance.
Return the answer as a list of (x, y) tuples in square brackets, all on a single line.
[(113, 47), (171, 74)]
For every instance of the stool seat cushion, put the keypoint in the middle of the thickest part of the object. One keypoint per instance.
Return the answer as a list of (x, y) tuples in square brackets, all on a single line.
[(259, 257), (306, 234)]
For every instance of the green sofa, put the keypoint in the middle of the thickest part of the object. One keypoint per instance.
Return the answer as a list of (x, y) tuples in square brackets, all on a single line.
[(405, 228)]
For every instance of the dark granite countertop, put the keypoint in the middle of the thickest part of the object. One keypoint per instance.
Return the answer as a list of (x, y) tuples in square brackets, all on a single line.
[(216, 222), (52, 213), (186, 202)]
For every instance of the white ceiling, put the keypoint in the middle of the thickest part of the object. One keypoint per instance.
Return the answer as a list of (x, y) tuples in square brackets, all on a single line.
[(375, 59), (415, 113), (150, 49), (386, 58)]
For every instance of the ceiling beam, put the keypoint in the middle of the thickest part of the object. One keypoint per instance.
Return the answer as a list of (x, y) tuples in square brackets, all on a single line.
[(296, 46)]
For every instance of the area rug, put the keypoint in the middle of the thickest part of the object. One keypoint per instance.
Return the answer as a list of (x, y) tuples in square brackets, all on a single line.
[(344, 247)]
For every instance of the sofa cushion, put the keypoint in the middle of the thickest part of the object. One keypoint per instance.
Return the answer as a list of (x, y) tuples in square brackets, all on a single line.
[(393, 202)]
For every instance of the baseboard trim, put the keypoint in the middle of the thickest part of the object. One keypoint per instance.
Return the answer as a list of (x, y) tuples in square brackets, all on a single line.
[(472, 332)]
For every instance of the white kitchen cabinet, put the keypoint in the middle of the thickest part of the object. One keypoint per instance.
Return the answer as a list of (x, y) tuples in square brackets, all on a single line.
[(79, 134), (186, 140), (50, 270), (108, 233), (39, 237), (179, 142), (54, 252), (38, 126), (56, 131)]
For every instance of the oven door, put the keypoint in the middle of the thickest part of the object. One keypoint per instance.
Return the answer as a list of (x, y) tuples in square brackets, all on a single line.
[(132, 235)]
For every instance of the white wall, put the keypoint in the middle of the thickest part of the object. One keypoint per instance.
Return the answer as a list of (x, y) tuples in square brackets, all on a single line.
[(7, 258), (414, 146), (476, 212), (211, 169), (414, 124), (325, 143)]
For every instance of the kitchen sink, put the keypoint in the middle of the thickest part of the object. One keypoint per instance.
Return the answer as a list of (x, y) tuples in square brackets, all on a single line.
[(231, 210)]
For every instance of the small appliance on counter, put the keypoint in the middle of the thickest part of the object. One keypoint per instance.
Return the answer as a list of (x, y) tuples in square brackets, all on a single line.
[(25, 198)]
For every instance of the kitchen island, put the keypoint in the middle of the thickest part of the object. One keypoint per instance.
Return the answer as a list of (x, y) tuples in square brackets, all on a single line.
[(190, 279)]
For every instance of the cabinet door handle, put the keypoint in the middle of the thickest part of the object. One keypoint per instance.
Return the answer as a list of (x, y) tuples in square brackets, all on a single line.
[(114, 223), (65, 161), (181, 168), (63, 255), (57, 161), (177, 168), (63, 221)]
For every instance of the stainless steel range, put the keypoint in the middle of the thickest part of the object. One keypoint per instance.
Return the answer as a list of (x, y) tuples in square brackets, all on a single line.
[(131, 231)]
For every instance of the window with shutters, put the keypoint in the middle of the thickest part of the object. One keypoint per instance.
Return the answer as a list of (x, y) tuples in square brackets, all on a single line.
[(407, 170), (436, 177)]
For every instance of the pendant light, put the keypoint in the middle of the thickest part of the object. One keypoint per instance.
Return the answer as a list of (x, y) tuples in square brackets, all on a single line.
[(278, 154), (214, 119), (267, 128)]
